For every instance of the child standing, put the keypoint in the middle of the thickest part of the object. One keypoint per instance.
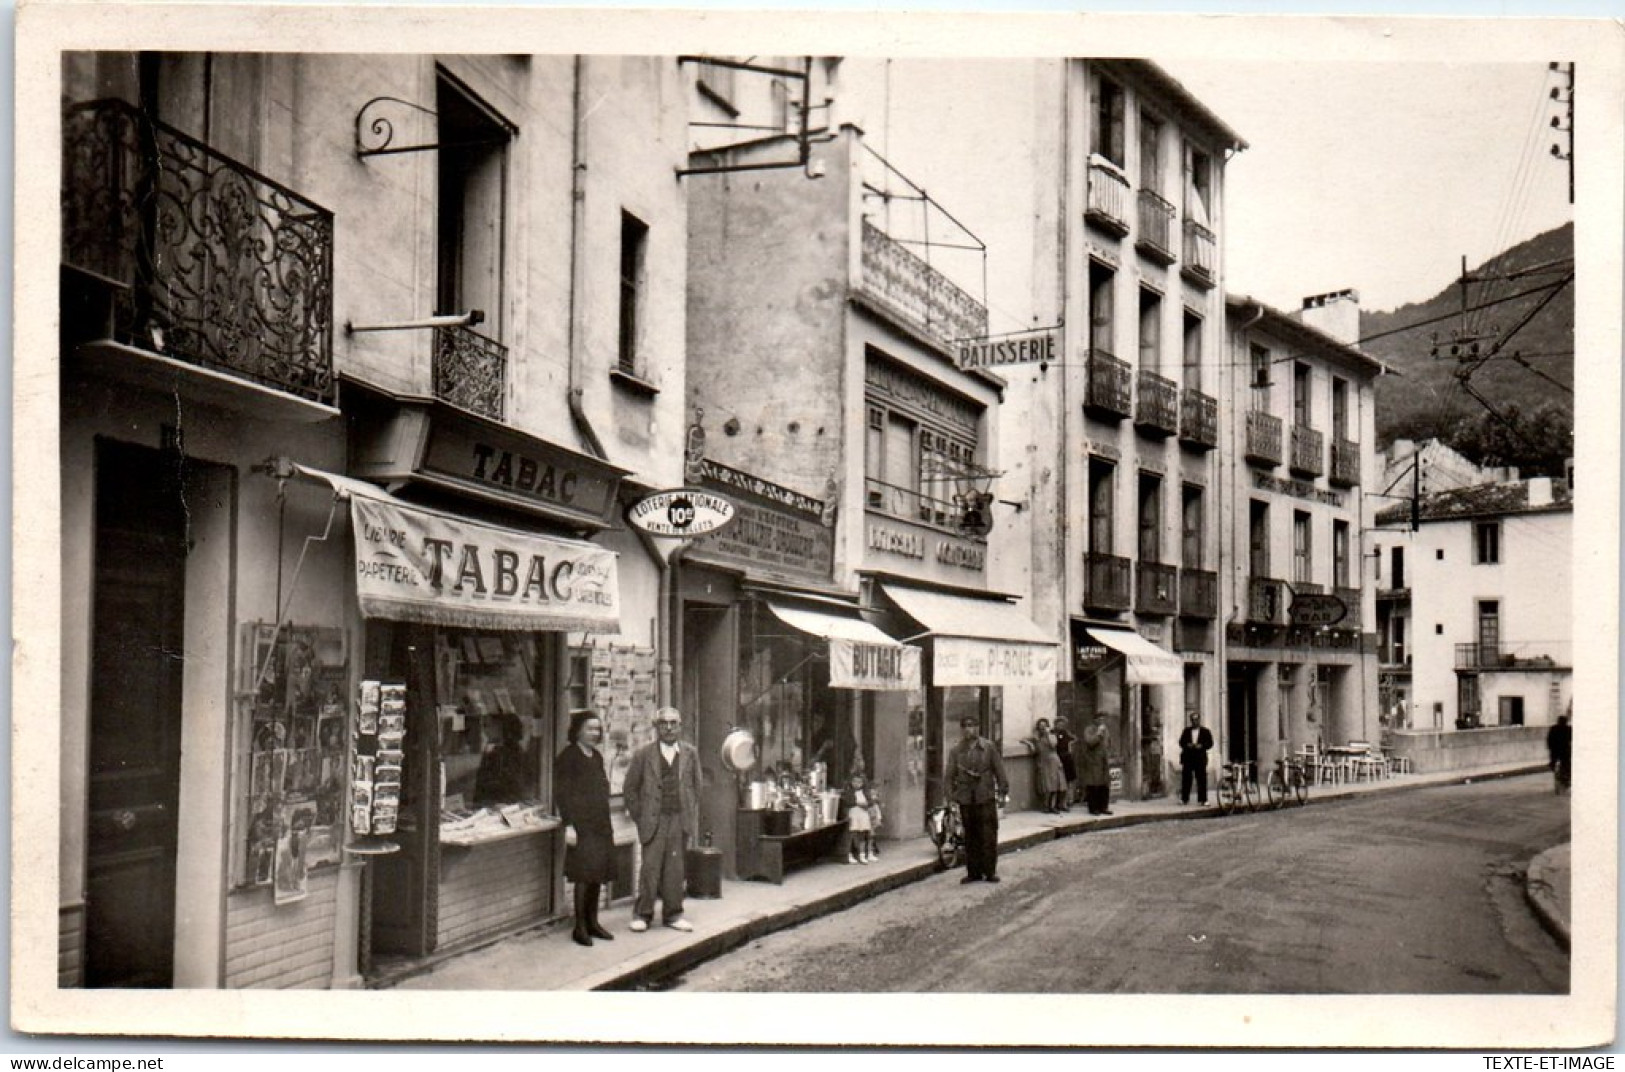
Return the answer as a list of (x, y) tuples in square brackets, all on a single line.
[(862, 816)]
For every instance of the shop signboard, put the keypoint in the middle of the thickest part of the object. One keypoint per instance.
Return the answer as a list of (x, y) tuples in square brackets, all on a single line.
[(777, 534), (424, 566), (974, 661), (1316, 609), (1037, 346), (681, 514), (876, 667)]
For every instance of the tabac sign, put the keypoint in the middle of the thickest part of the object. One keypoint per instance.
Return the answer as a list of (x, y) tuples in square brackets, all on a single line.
[(682, 514), (1040, 346)]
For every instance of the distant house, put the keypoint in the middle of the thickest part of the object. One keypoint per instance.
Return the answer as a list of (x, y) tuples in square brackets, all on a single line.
[(1442, 469), (1473, 607)]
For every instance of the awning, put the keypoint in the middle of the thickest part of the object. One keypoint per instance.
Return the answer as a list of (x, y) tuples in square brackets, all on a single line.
[(417, 564), (860, 656), (978, 641), (1147, 664)]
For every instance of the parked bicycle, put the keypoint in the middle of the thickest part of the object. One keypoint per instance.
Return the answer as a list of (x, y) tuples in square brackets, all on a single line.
[(1289, 780), (947, 831), (1236, 788)]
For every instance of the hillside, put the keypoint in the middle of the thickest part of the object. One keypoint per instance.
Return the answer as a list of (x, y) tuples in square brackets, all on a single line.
[(1528, 380)]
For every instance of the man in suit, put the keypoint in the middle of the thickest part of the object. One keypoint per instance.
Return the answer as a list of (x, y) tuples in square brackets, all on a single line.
[(1194, 741), (976, 781), (662, 793)]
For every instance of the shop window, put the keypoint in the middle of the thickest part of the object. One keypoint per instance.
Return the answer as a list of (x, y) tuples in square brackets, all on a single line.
[(800, 723), (490, 751)]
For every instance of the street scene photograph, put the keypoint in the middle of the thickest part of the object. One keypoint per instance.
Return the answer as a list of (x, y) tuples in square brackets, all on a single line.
[(931, 531)]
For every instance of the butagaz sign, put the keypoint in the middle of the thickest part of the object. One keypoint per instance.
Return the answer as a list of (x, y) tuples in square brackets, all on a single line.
[(1023, 348), (681, 514), (878, 667)]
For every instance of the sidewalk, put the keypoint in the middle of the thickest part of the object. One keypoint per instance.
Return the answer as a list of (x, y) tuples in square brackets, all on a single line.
[(543, 958)]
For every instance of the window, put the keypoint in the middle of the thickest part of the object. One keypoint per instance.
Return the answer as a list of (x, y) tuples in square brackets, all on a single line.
[(1192, 525), (1101, 312), (1487, 543), (1102, 480), (1398, 625), (1261, 385), (1303, 548), (1258, 538), (918, 441), (1340, 554), (1198, 186), (1150, 517), (634, 244), (1106, 139), (1150, 330), (1193, 687), (1340, 408), (1150, 153), (1301, 380), (472, 164), (1489, 631), (1193, 351)]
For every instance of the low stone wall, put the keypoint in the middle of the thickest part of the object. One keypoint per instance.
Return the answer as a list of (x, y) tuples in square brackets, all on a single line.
[(1433, 751)]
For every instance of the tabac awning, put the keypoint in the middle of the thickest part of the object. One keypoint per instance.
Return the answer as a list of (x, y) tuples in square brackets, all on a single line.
[(978, 641), (417, 564), (860, 656), (1147, 664)]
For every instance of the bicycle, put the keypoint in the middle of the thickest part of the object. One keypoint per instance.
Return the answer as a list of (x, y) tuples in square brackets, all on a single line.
[(947, 831), (1288, 779), (1235, 788)]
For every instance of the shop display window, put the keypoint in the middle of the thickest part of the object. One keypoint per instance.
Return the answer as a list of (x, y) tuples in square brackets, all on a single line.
[(490, 725), (786, 702)]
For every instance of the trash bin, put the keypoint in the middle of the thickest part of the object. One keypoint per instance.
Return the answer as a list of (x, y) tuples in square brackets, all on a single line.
[(704, 868)]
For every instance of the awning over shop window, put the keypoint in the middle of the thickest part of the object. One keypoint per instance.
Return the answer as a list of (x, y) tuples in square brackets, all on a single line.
[(860, 656), (420, 565), (978, 641), (1147, 664)]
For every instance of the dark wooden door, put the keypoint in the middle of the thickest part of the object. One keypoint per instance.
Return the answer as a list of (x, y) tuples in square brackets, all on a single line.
[(135, 718)]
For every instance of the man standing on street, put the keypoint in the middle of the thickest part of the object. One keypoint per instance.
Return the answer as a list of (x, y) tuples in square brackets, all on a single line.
[(1560, 746), (1194, 742), (976, 782), (662, 794), (1095, 769)]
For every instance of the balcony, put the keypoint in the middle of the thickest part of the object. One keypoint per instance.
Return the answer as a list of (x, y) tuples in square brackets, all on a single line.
[(1156, 410), (1201, 261), (1198, 593), (1263, 439), (1308, 451), (1198, 420), (1110, 393), (205, 261), (1502, 656), (1107, 207), (471, 371), (1266, 601), (916, 293), (1107, 582), (911, 505), (1156, 588), (1155, 238), (1345, 463)]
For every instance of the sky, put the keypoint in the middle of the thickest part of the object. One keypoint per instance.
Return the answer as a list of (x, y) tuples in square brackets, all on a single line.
[(1374, 176)]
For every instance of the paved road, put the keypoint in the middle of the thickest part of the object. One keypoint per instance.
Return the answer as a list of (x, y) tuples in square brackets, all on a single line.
[(1417, 892)]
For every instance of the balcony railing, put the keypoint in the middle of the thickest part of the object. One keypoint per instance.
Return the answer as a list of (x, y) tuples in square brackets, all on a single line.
[(1110, 392), (1345, 463), (1266, 600), (1156, 588), (1108, 199), (916, 292), (910, 505), (1201, 261), (1156, 409), (471, 371), (1263, 439), (1198, 593), (1155, 237), (1198, 420), (215, 265), (1504, 656), (1308, 451), (1107, 583)]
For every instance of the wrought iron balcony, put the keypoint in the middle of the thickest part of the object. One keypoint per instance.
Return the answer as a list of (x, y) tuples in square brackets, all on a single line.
[(1345, 463), (1107, 207), (1156, 588), (1198, 593), (1201, 260), (917, 293), (1504, 656), (471, 371), (911, 505), (1110, 393), (1198, 420), (1263, 439), (1156, 410), (1308, 451), (1266, 600), (1155, 238), (1106, 581), (210, 263)]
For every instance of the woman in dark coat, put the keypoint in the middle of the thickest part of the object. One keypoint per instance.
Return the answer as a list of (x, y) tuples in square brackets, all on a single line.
[(582, 796)]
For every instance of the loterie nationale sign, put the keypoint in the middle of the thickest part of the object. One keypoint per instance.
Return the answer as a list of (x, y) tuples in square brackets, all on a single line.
[(681, 514)]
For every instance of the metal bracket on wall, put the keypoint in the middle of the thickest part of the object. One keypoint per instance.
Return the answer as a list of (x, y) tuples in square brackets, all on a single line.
[(375, 130)]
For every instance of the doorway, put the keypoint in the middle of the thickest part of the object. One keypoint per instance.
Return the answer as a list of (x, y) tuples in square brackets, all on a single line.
[(1241, 715), (137, 659)]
